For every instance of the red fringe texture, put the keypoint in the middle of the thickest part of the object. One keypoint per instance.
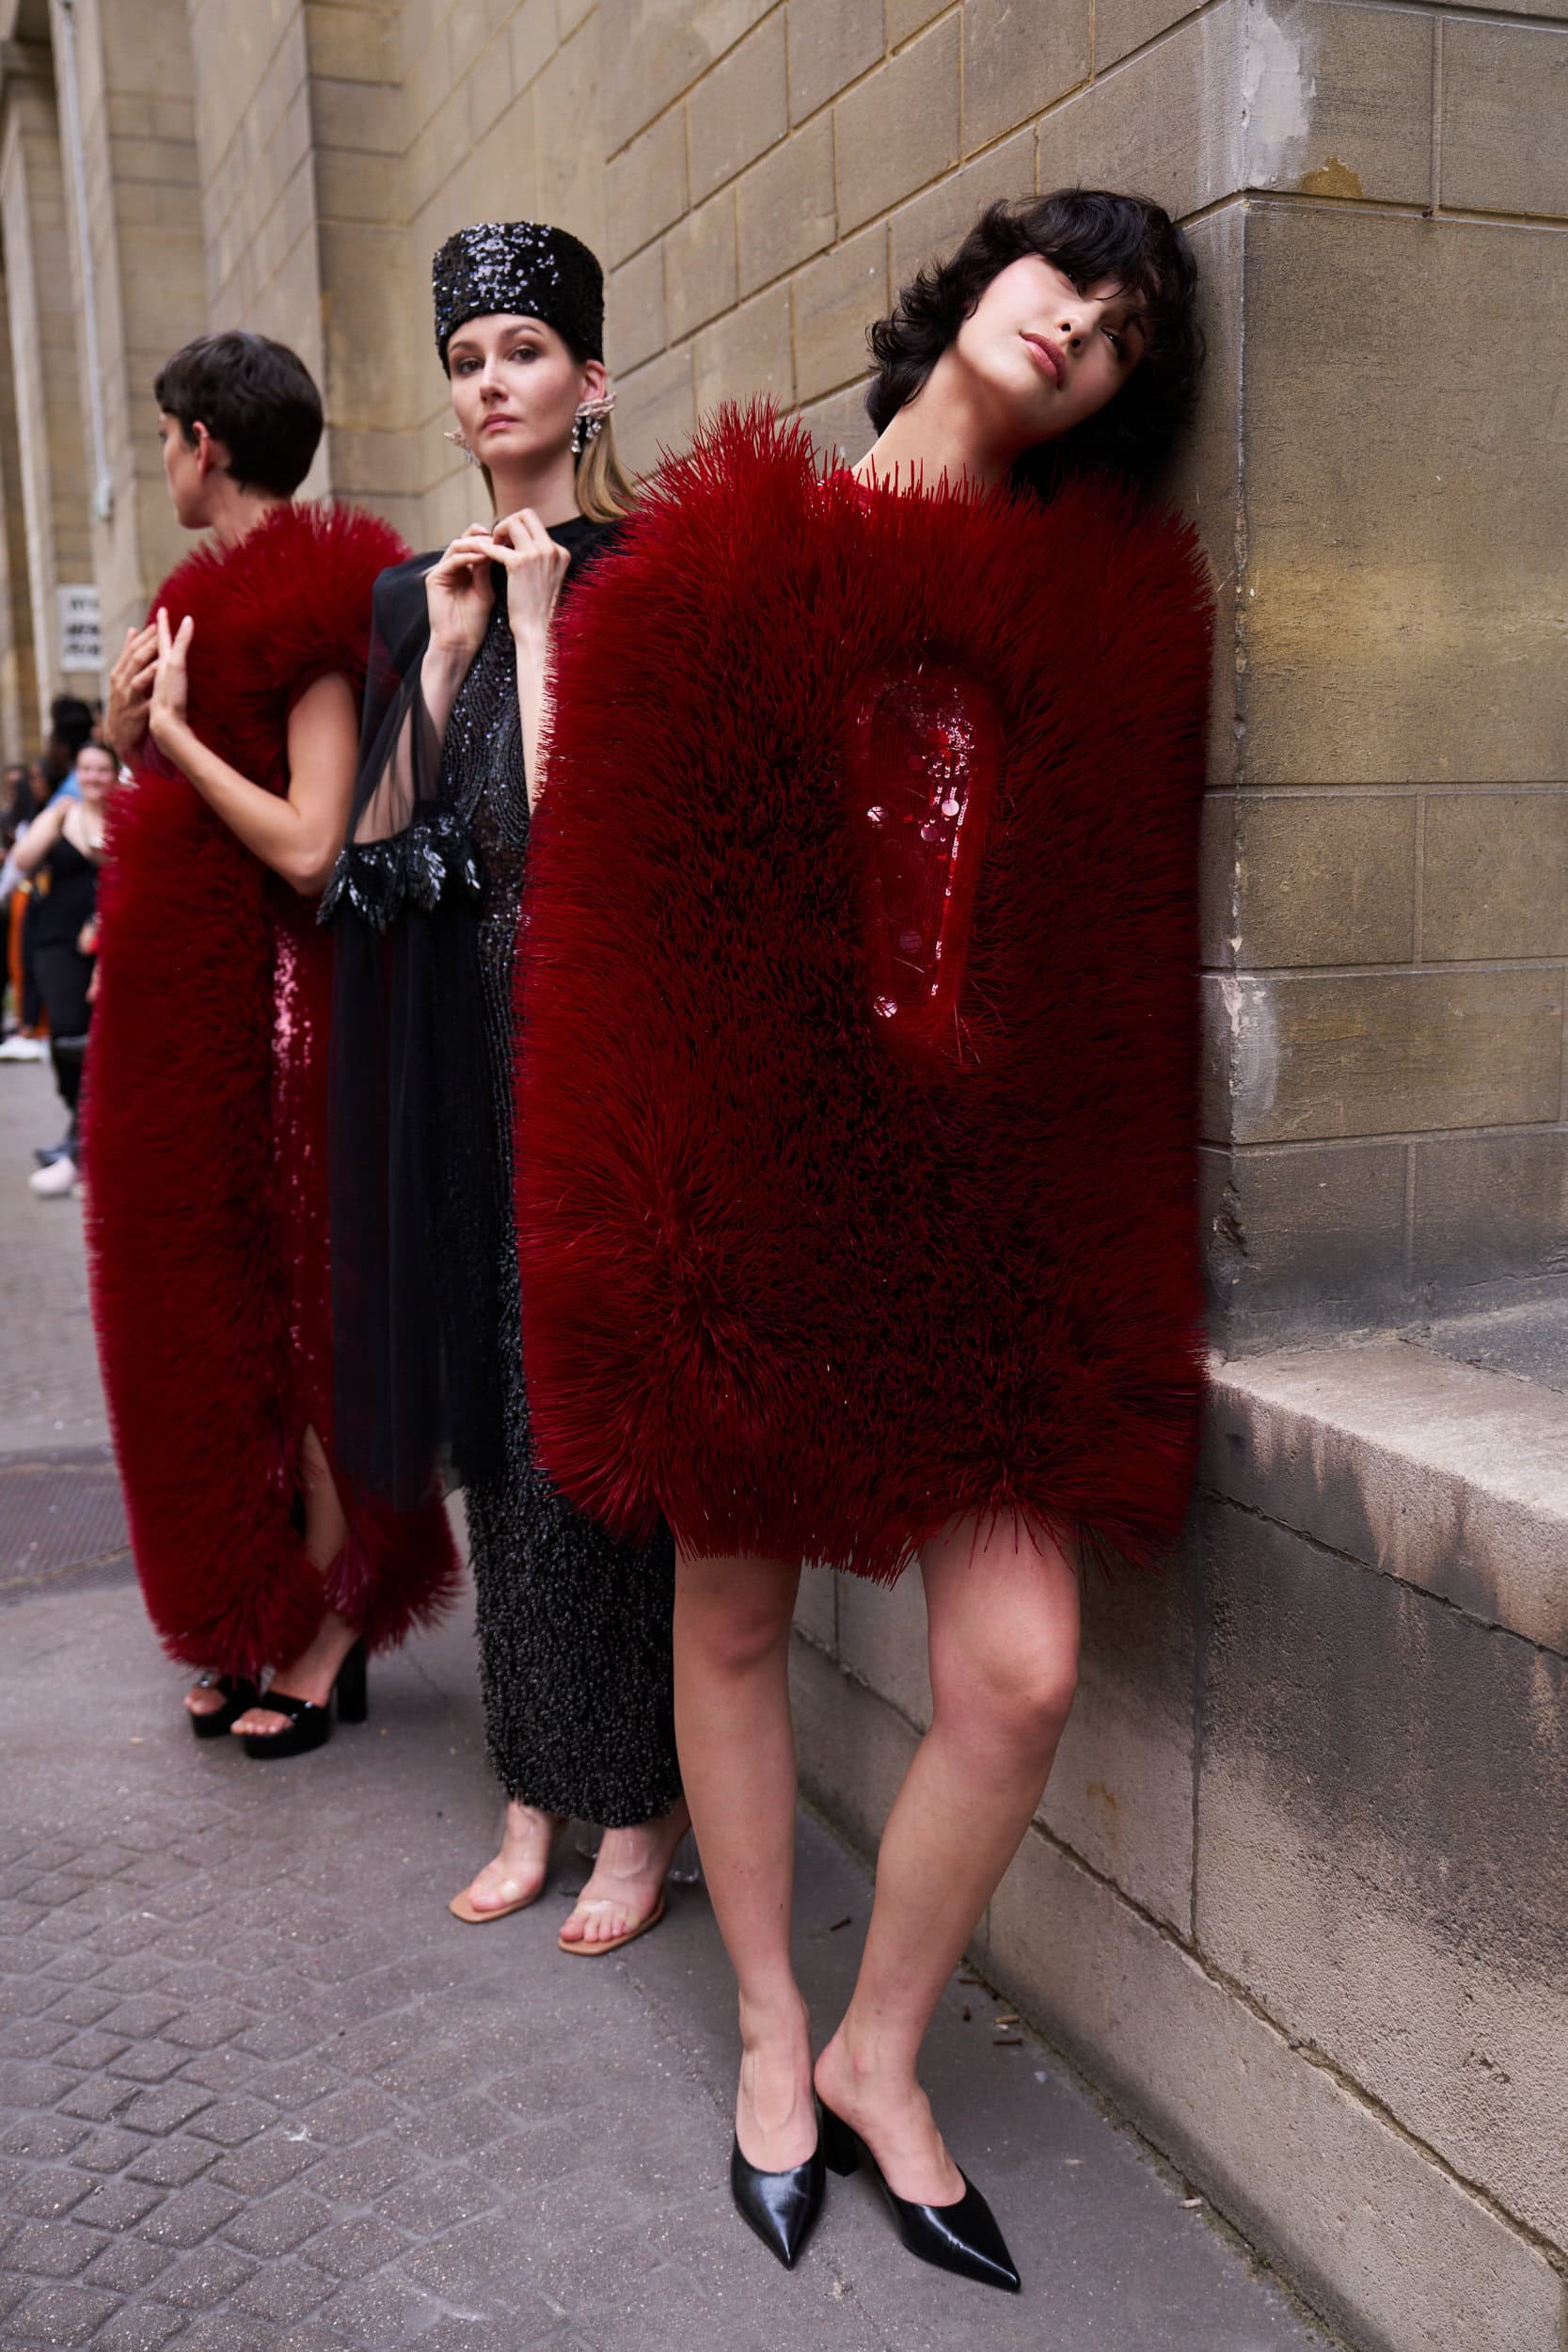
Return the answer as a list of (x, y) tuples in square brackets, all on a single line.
[(804, 1290), (205, 1134)]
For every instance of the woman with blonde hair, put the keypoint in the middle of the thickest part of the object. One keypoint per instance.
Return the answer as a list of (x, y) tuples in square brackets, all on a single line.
[(574, 1629)]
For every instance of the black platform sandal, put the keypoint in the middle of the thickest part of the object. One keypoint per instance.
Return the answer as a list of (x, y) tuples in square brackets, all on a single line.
[(311, 1727), (238, 1694), (962, 2238)]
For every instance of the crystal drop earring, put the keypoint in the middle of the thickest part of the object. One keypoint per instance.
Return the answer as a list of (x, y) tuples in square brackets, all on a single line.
[(458, 442), (589, 422)]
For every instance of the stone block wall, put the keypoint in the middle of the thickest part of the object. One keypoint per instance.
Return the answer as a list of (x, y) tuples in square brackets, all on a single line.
[(255, 118)]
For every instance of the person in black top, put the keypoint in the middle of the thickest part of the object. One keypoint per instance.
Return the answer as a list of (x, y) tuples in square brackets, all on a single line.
[(575, 1629), (61, 852)]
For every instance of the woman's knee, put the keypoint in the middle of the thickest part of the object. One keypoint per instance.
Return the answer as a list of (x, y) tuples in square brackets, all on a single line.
[(1007, 1693), (733, 1614)]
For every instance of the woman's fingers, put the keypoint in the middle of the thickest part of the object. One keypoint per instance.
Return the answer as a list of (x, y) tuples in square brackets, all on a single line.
[(523, 529), (139, 643), (466, 553), (165, 641)]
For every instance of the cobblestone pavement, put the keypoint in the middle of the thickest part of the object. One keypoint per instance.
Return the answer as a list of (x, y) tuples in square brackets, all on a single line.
[(258, 2090), (49, 1394)]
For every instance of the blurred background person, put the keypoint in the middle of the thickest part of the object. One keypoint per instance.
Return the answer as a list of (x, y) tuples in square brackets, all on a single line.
[(26, 1024), (60, 855)]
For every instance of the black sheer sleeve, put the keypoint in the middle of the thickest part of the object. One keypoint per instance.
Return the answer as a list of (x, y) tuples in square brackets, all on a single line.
[(404, 844)]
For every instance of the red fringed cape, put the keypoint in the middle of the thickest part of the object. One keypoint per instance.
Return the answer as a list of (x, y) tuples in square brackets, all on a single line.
[(206, 1137), (826, 1239)]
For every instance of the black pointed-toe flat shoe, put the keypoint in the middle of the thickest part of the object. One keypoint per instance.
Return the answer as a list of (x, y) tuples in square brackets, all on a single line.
[(962, 2238), (238, 1694), (782, 2207), (309, 1725)]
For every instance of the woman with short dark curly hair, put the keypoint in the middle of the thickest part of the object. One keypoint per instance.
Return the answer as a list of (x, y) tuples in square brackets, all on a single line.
[(1092, 237), (864, 1232)]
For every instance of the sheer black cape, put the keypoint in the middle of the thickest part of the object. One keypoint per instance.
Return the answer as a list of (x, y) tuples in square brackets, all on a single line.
[(420, 1152)]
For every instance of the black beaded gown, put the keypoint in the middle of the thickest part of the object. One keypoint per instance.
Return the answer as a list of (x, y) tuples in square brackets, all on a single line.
[(574, 1628)]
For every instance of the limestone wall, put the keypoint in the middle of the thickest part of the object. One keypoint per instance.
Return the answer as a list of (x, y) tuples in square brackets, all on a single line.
[(136, 122)]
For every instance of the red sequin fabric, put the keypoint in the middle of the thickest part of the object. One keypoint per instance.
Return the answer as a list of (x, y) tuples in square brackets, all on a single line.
[(924, 751)]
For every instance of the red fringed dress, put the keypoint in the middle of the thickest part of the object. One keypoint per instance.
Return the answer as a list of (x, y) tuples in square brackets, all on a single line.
[(859, 1073), (206, 1139)]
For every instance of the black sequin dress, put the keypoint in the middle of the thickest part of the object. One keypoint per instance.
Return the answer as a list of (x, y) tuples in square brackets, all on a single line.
[(574, 1629)]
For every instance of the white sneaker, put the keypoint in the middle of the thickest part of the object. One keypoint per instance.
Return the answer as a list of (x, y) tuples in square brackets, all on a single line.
[(54, 1182), (19, 1048)]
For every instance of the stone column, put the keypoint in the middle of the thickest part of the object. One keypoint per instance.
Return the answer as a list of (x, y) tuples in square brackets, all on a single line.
[(1378, 195), (19, 732), (42, 326), (148, 288)]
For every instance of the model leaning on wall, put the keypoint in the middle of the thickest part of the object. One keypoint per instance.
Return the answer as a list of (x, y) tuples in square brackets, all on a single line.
[(866, 1232), (574, 1628), (236, 709)]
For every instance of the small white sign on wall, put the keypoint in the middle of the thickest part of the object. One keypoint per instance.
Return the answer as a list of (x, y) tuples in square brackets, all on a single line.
[(81, 629)]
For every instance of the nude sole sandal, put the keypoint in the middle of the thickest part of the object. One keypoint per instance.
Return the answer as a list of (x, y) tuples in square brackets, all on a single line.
[(584, 1951)]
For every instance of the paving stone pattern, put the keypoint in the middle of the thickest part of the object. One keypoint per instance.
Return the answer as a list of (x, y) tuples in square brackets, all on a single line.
[(49, 1392), (259, 2094)]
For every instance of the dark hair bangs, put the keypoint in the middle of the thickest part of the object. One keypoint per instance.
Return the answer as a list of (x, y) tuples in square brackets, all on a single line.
[(1090, 236)]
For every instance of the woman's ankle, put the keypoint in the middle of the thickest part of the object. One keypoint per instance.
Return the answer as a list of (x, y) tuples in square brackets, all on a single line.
[(865, 2069), (776, 2023), (312, 1674), (528, 1821)]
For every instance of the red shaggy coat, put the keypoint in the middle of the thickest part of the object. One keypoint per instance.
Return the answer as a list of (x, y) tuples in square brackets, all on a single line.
[(803, 1288), (206, 1137)]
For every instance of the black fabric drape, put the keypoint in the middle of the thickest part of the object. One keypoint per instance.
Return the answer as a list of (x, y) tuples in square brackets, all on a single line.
[(420, 1155)]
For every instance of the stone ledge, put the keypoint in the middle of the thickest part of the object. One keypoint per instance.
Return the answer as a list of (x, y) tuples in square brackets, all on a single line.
[(1380, 2239), (1451, 1478)]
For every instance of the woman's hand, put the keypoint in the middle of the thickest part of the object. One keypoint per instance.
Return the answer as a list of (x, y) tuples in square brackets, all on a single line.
[(459, 596), (87, 938), (40, 838), (166, 717), (131, 692), (535, 567)]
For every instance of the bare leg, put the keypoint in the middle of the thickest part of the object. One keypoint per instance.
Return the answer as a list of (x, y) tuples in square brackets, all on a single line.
[(312, 1674), (629, 1871), (1003, 1610), (738, 1761)]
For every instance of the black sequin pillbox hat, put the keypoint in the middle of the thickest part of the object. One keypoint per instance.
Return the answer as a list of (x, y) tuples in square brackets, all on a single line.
[(523, 268)]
